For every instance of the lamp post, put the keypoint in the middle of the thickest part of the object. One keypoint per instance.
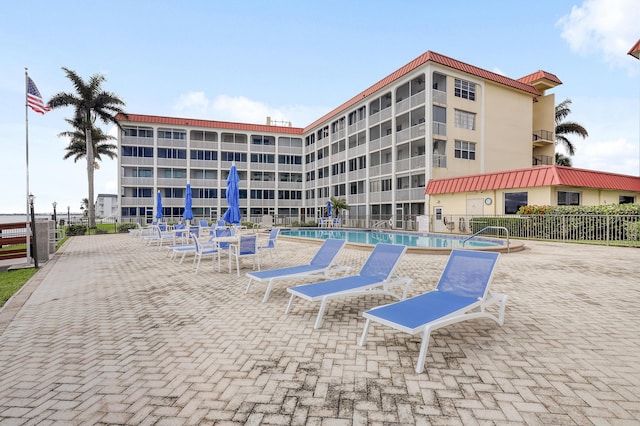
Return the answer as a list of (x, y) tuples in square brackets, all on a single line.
[(34, 251), (55, 218), (635, 52)]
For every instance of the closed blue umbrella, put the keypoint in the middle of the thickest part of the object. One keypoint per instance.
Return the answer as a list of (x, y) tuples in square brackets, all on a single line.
[(328, 208), (188, 212), (232, 215), (158, 205)]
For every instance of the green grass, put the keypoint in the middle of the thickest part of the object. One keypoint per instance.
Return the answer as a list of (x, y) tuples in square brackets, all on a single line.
[(12, 281)]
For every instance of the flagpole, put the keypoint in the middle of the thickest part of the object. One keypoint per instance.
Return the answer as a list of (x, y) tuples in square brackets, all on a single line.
[(26, 121)]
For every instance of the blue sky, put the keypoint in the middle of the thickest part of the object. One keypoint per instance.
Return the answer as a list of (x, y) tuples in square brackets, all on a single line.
[(294, 60)]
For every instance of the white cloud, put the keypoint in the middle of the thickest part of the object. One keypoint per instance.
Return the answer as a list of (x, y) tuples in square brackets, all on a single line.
[(244, 110), (604, 26), (191, 101), (616, 156)]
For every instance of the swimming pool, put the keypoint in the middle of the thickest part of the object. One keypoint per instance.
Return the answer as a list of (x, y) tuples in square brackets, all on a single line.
[(424, 242)]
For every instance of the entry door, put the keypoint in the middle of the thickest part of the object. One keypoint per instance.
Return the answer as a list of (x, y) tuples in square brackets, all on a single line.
[(399, 223), (438, 220)]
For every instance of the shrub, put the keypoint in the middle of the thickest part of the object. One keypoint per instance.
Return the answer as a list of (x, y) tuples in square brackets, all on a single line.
[(125, 226), (76, 230)]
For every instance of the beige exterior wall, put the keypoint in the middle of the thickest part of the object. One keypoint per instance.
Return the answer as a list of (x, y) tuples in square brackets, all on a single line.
[(508, 123), (503, 130), (468, 203), (544, 119)]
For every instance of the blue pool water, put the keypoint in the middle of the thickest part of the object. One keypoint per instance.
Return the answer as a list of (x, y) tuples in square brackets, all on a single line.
[(392, 237)]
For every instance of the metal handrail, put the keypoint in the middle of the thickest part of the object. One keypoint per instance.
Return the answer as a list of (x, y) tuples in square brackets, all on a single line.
[(486, 228)]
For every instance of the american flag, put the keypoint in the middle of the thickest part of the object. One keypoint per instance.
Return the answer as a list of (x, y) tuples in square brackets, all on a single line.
[(34, 99)]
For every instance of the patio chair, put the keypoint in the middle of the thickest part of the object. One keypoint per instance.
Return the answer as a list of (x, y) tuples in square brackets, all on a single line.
[(202, 250), (203, 226), (159, 237), (269, 245), (376, 277), (462, 294), (247, 246), (181, 236), (320, 266)]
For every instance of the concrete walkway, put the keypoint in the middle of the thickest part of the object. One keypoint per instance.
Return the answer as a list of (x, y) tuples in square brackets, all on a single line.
[(111, 332)]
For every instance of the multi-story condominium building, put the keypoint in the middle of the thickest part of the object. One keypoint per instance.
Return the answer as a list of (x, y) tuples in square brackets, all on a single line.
[(107, 205), (434, 118)]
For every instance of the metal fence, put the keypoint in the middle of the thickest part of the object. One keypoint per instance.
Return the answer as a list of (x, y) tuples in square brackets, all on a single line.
[(596, 229)]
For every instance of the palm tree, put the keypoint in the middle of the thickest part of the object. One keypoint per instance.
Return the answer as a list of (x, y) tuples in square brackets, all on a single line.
[(77, 147), (564, 128), (338, 204), (89, 101), (84, 206), (563, 160)]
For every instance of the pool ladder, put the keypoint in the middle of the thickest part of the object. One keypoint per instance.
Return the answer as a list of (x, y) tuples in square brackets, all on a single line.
[(487, 228)]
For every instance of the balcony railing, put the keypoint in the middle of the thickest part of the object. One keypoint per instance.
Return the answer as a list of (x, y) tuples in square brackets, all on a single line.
[(439, 161), (543, 136), (542, 160)]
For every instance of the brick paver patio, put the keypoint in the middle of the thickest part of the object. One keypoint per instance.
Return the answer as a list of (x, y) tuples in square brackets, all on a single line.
[(112, 332)]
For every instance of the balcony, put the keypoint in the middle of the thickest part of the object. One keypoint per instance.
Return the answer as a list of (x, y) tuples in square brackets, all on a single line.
[(412, 194), (439, 161), (542, 160), (131, 181), (439, 96), (136, 161), (542, 138), (439, 128)]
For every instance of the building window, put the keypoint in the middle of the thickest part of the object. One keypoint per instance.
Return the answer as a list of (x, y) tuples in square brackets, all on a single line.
[(626, 199), (141, 132), (465, 89), (465, 150), (566, 198), (172, 134), (514, 200), (263, 158), (199, 135), (233, 156), (200, 154), (172, 153), (137, 151), (263, 140), (465, 120), (289, 159)]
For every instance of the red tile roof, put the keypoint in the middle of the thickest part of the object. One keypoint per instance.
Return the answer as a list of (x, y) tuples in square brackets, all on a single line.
[(535, 177), (172, 121), (539, 75), (635, 50), (420, 60)]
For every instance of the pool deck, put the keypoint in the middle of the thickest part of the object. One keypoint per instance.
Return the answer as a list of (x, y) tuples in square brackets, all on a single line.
[(112, 332)]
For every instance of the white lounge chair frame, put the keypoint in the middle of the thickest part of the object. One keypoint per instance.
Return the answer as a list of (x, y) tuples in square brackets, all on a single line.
[(321, 266), (460, 295), (375, 277)]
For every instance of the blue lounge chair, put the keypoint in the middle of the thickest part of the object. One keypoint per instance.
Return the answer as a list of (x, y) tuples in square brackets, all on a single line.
[(320, 266), (247, 246), (462, 294), (202, 250), (375, 277), (270, 244)]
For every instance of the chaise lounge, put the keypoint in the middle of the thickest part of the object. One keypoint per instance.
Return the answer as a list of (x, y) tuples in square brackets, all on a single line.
[(462, 294)]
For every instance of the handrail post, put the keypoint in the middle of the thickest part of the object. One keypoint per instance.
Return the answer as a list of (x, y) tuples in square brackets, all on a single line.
[(490, 227)]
